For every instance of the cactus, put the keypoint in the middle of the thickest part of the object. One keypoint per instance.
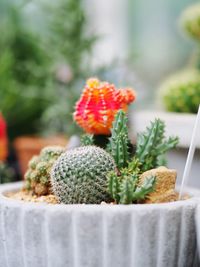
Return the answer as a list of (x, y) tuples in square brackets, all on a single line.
[(181, 92), (100, 101), (37, 177), (87, 140), (118, 145), (150, 148), (124, 189), (151, 145), (79, 175), (190, 21)]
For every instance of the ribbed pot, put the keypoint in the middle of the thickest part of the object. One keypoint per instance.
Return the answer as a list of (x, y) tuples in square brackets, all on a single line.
[(148, 235), (198, 228)]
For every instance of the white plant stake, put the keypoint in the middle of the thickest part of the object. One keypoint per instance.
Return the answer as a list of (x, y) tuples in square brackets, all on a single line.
[(190, 154)]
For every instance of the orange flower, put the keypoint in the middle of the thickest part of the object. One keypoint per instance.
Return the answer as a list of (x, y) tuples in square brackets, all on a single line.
[(3, 139), (98, 104)]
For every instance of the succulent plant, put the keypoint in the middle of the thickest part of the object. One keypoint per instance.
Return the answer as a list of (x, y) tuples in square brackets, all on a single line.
[(151, 146), (124, 188), (99, 102), (181, 92), (190, 21), (3, 139), (80, 175), (119, 141), (37, 176), (87, 140)]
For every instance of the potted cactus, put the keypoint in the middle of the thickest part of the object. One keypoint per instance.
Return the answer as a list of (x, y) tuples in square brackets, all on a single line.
[(109, 209)]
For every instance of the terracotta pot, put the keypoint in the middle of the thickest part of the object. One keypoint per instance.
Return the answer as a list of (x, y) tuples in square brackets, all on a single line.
[(28, 146), (142, 235)]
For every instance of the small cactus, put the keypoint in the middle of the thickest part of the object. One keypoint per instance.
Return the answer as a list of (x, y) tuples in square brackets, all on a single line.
[(151, 145), (37, 177), (181, 92), (80, 175), (87, 140), (119, 141), (124, 189), (99, 102)]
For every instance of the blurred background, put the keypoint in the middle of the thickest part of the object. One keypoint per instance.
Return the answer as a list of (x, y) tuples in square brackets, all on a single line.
[(49, 48)]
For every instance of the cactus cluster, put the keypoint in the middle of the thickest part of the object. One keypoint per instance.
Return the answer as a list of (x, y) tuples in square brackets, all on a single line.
[(37, 177), (89, 174), (181, 92), (124, 185), (98, 104), (79, 175)]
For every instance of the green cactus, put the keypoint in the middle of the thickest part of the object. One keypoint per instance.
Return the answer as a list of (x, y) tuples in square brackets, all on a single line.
[(119, 142), (37, 177), (87, 140), (79, 175), (150, 148), (124, 189), (190, 21), (181, 92), (152, 145)]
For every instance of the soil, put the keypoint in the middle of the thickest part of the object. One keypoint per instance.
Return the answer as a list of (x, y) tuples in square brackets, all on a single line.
[(28, 196)]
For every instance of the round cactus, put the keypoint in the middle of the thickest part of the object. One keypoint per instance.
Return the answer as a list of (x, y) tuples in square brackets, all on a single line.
[(80, 175), (181, 93), (37, 176), (190, 21)]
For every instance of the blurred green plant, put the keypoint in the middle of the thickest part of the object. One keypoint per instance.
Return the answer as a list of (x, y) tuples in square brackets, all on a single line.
[(189, 21), (41, 69), (70, 46), (24, 71), (181, 92), (7, 174)]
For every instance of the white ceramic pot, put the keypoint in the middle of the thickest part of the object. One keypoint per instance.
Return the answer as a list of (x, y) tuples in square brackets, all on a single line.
[(148, 235)]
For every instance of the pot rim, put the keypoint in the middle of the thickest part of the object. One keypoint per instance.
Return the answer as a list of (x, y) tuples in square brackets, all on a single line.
[(9, 202)]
